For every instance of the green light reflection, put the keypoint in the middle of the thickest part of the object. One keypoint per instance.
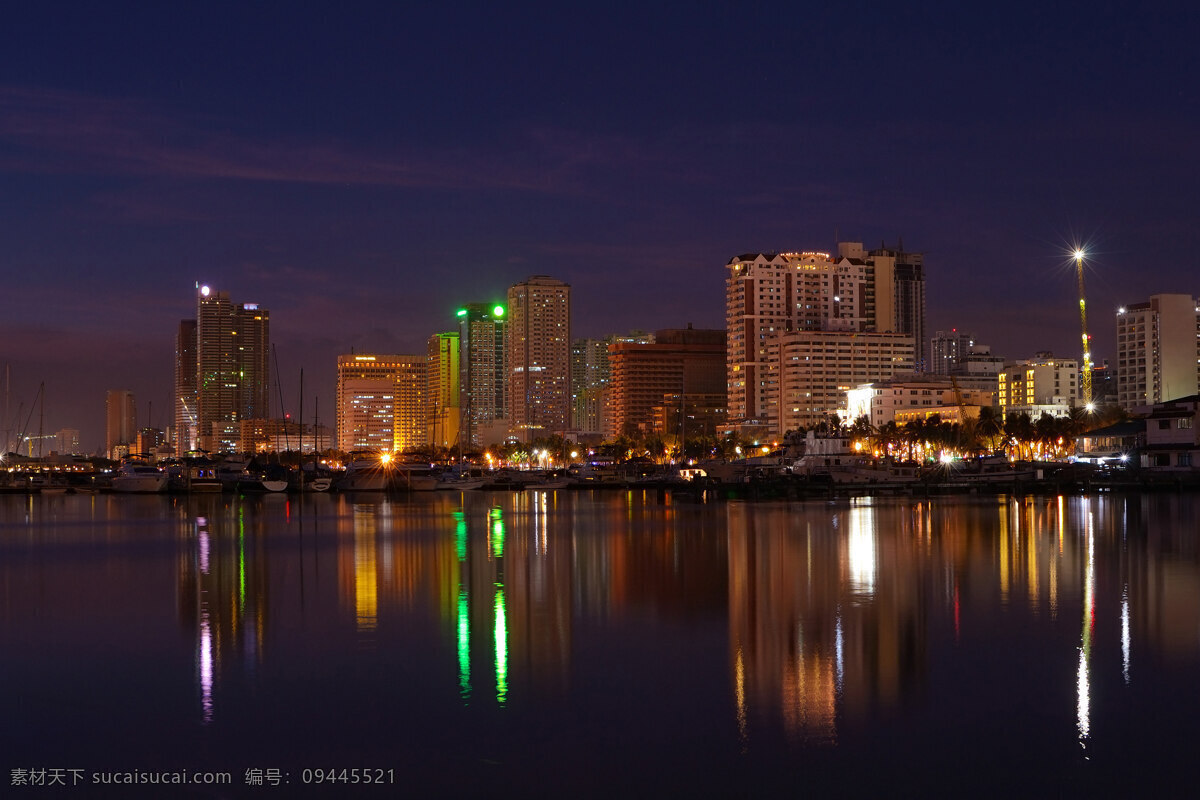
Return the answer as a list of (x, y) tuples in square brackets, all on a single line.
[(464, 645), (497, 533), (501, 648), (460, 536)]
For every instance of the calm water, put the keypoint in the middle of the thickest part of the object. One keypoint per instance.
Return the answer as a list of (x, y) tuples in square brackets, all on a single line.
[(568, 644)]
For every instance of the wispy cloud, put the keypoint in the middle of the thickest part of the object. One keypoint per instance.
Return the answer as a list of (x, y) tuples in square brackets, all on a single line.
[(58, 132)]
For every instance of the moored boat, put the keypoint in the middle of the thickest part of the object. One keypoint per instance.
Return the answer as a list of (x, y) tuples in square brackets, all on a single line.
[(139, 478)]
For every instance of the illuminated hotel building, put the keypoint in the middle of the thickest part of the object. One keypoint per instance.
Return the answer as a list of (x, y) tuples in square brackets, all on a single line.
[(380, 402), (679, 364), (120, 414), (442, 404), (768, 296), (232, 368), (481, 373), (1158, 350), (538, 345), (1042, 385)]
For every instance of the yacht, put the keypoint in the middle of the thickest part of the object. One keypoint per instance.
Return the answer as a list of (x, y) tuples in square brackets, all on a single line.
[(141, 478)]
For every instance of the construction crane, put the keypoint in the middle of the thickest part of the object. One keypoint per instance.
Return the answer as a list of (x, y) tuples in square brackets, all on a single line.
[(1085, 367)]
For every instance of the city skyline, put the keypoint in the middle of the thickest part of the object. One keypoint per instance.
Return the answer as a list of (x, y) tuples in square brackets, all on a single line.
[(349, 176)]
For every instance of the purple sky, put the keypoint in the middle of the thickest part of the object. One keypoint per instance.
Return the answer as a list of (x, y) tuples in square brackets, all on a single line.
[(362, 170)]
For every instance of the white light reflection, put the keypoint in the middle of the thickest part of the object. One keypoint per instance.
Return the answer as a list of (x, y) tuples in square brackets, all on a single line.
[(205, 666), (860, 545), (204, 552), (1083, 705), (838, 650), (1125, 632)]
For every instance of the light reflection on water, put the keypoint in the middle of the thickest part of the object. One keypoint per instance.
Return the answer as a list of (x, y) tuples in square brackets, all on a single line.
[(773, 632)]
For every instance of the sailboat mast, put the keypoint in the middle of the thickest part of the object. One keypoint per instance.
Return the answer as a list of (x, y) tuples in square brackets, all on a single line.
[(41, 417)]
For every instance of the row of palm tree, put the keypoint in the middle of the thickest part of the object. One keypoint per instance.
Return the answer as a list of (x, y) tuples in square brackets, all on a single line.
[(1017, 435)]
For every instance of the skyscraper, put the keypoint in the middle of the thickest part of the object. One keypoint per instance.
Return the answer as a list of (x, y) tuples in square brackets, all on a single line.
[(539, 357), (120, 414), (482, 377), (232, 368), (380, 402), (442, 408), (186, 431), (1158, 350)]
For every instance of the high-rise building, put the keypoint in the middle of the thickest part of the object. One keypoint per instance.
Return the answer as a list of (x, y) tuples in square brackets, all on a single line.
[(770, 295), (813, 371), (904, 274), (482, 381), (538, 345), (68, 441), (121, 421), (443, 411), (380, 402), (948, 350), (232, 368), (186, 430), (1158, 350), (679, 364), (590, 376)]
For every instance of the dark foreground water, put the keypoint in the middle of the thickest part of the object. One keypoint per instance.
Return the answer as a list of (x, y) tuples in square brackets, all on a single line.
[(617, 644)]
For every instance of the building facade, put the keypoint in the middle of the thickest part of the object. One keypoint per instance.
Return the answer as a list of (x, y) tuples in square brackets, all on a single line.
[(120, 429), (770, 296), (443, 410), (645, 378), (1041, 385), (1158, 350), (186, 433), (232, 368), (948, 351), (538, 347), (815, 370), (380, 402), (923, 395), (482, 376), (590, 377)]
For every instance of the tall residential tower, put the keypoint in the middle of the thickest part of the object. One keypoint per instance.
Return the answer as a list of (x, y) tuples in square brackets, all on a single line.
[(539, 357), (1158, 350), (232, 368)]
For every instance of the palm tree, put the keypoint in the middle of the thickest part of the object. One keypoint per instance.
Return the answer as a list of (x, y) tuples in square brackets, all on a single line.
[(989, 428)]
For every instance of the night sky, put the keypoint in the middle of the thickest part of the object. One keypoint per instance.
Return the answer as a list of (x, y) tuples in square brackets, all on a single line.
[(361, 170)]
